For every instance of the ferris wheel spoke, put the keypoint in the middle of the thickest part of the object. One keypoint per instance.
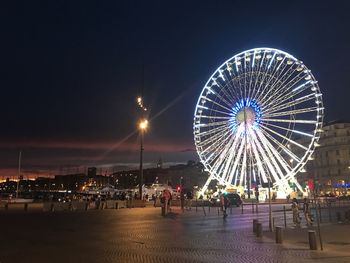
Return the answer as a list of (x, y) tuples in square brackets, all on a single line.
[(281, 97), (240, 73), (243, 173), (234, 169), (259, 162), (227, 103), (277, 155), (256, 73), (283, 90), (291, 112), (214, 145), (276, 159), (218, 123), (217, 104), (251, 75), (282, 146), (266, 158), (270, 73), (232, 152), (227, 93), (285, 138), (222, 89), (289, 121), (281, 181), (290, 130), (274, 74), (213, 117), (217, 111), (219, 164), (281, 78), (283, 85), (211, 142), (214, 131), (288, 104), (207, 145), (235, 89), (257, 84), (231, 166)]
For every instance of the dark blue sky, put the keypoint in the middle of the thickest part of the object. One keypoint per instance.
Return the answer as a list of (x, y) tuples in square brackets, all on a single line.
[(70, 71)]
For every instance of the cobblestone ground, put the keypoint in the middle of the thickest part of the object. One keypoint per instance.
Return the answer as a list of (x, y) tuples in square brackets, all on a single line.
[(142, 235)]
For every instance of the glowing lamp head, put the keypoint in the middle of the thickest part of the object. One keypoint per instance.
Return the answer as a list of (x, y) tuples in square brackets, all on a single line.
[(139, 100), (143, 124)]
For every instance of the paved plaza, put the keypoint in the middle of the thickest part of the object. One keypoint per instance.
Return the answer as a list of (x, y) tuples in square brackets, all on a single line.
[(143, 235)]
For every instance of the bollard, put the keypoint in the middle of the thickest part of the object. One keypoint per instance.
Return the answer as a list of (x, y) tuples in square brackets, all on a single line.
[(116, 205), (284, 215), (256, 207), (70, 207), (339, 217), (162, 207), (259, 230), (242, 208), (252, 207), (273, 223), (218, 211), (86, 206), (52, 207), (26, 207), (209, 208), (255, 222), (329, 212), (6, 206), (347, 215), (230, 210), (278, 234), (312, 240)]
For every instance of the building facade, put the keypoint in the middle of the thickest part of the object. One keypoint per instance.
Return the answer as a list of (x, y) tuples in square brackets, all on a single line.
[(330, 167)]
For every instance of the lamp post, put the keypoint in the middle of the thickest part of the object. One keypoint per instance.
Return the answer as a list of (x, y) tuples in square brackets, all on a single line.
[(142, 127)]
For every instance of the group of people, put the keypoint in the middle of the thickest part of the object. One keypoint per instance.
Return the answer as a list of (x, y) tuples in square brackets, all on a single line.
[(305, 209)]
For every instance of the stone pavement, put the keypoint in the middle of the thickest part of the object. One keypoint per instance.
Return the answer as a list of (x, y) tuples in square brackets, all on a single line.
[(143, 235), (335, 238)]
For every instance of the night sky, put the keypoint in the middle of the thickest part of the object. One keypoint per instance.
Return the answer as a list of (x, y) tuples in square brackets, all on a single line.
[(71, 72)]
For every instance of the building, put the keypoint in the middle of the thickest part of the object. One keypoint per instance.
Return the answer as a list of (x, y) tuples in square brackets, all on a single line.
[(331, 165), (192, 174)]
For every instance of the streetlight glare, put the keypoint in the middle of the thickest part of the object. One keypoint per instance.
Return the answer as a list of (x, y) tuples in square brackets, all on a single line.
[(143, 124)]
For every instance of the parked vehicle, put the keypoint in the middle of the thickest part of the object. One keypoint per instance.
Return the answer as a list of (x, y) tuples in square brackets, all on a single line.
[(234, 198)]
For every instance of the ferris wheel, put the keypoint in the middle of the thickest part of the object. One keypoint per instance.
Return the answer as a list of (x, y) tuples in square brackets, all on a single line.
[(258, 120)]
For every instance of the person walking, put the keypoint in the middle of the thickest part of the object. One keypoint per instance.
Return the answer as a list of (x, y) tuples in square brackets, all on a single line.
[(295, 210), (306, 210), (154, 199), (224, 204)]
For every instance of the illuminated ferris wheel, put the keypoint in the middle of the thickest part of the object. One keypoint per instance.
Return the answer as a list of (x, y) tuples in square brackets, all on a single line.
[(258, 119)]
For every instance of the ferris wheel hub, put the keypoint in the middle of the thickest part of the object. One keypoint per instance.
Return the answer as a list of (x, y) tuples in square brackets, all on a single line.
[(246, 115)]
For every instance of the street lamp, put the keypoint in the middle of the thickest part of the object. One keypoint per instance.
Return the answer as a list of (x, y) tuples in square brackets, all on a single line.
[(143, 124)]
